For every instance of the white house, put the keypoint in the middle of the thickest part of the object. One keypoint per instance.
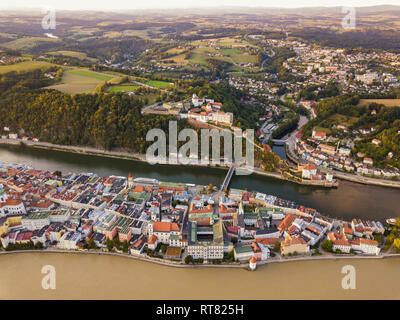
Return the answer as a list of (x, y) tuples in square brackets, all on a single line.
[(163, 230), (35, 221), (309, 170), (369, 246)]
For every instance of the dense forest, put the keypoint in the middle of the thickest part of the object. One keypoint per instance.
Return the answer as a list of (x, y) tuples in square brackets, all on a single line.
[(369, 38), (101, 120)]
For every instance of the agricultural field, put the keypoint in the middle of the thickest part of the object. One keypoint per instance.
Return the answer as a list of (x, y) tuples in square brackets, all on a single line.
[(386, 102), (238, 56), (91, 74), (322, 129), (200, 56), (80, 81), (73, 54), (27, 43), (344, 120), (25, 66), (122, 88), (204, 51), (158, 84), (179, 56)]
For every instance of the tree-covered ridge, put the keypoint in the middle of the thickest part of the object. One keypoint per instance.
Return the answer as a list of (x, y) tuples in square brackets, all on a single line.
[(32, 80), (100, 120)]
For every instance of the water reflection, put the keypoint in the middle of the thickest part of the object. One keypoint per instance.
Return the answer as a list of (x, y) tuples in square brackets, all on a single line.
[(348, 201)]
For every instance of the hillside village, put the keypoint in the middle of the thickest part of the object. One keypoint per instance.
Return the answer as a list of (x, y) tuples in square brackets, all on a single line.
[(315, 67), (340, 158)]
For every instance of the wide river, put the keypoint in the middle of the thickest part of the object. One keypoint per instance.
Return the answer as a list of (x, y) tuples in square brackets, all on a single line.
[(348, 201), (88, 276)]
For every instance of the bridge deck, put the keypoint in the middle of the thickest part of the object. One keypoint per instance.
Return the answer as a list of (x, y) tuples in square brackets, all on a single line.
[(228, 178)]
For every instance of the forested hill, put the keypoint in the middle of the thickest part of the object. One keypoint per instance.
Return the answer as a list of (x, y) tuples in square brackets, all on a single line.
[(101, 120)]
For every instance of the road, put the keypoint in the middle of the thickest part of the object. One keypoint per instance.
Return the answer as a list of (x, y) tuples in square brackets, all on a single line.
[(144, 109), (269, 56), (143, 84), (291, 140)]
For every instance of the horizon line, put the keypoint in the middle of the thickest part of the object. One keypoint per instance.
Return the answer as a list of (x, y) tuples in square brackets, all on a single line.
[(36, 8)]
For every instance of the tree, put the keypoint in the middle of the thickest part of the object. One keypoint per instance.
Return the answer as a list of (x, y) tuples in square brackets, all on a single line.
[(396, 244), (163, 248), (92, 244), (189, 259), (109, 244), (39, 245), (58, 173), (277, 246), (327, 245), (125, 246)]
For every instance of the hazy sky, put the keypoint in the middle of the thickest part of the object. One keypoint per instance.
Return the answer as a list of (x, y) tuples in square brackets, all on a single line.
[(146, 4)]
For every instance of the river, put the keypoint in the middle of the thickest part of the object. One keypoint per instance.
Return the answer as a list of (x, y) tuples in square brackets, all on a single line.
[(348, 201), (87, 276)]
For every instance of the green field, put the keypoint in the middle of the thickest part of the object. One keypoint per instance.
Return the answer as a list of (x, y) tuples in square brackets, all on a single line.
[(238, 56), (343, 120), (322, 129), (80, 81), (122, 88), (90, 74), (73, 54), (25, 66), (231, 55), (158, 84), (27, 43)]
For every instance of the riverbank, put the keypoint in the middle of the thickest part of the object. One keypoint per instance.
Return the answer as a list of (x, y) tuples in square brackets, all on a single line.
[(290, 178), (348, 176), (179, 264), (350, 200), (142, 158)]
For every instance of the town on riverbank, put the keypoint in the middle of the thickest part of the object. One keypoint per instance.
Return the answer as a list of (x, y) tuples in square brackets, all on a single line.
[(174, 223)]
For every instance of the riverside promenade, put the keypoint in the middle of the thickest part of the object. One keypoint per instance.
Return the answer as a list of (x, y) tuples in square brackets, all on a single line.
[(181, 264)]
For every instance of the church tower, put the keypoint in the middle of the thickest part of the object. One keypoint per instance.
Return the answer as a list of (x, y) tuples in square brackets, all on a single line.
[(130, 180)]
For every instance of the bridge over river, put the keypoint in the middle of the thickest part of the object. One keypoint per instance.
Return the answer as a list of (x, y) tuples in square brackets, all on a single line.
[(228, 178)]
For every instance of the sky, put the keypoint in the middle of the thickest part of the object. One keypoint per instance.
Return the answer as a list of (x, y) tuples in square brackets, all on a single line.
[(172, 4)]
